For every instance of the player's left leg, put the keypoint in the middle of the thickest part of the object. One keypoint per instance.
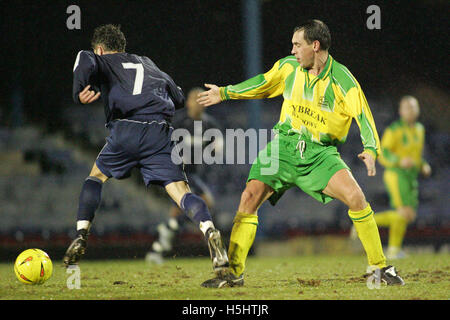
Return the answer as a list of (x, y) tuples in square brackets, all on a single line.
[(116, 159), (197, 210), (89, 201), (343, 186), (90, 197)]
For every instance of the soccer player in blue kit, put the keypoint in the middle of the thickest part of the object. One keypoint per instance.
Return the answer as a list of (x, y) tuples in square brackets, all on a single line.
[(139, 102)]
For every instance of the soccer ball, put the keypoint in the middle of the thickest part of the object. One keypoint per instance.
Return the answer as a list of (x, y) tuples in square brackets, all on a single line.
[(33, 266)]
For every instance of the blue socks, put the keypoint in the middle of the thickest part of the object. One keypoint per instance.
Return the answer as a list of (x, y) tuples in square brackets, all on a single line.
[(89, 201), (90, 197), (196, 209)]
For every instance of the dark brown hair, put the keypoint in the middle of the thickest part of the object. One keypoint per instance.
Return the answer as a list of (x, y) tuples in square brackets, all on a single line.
[(110, 36), (316, 30)]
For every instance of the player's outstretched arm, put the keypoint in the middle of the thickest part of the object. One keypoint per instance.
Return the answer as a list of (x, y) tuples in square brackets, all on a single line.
[(87, 96), (209, 97), (264, 85)]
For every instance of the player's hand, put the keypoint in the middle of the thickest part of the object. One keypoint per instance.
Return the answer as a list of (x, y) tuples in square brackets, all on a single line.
[(406, 163), (426, 170), (369, 161), (209, 97), (88, 96)]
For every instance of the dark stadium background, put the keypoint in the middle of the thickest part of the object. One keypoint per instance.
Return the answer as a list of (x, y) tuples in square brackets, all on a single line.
[(47, 145)]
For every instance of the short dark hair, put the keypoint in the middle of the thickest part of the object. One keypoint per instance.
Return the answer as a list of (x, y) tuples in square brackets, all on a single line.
[(316, 30), (110, 36)]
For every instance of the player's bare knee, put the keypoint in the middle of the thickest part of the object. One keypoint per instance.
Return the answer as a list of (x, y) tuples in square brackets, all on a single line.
[(248, 200), (255, 193), (356, 200)]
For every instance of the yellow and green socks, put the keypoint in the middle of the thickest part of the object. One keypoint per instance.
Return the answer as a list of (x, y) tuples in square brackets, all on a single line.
[(367, 230), (244, 231), (241, 240)]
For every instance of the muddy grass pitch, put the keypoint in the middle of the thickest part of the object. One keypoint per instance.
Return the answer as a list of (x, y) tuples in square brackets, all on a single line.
[(427, 276)]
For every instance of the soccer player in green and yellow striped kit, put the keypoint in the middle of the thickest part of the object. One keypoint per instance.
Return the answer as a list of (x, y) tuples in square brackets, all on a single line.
[(321, 97), (401, 155)]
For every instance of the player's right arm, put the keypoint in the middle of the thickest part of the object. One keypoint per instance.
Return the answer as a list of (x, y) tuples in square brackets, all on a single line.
[(265, 85), (84, 70)]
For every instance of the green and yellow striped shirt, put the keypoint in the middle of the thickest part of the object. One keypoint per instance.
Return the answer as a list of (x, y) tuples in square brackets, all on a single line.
[(320, 108)]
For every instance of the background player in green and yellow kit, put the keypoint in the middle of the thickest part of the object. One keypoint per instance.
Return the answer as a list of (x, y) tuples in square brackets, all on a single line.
[(321, 97), (401, 154)]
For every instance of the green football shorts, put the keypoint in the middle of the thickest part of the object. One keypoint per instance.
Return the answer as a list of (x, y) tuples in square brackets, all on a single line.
[(402, 187), (288, 161)]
